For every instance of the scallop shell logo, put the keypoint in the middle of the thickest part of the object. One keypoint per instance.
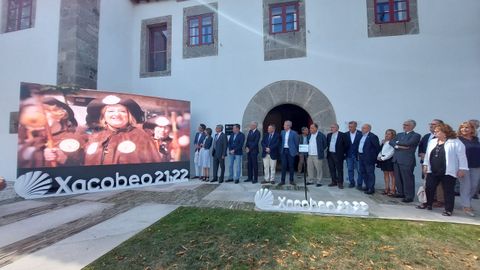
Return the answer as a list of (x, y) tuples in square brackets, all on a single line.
[(33, 184), (264, 198)]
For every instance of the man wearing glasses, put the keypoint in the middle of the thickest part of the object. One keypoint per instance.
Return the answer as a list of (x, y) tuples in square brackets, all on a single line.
[(405, 144)]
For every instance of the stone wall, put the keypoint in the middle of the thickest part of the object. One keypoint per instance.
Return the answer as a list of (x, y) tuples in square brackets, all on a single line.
[(78, 43)]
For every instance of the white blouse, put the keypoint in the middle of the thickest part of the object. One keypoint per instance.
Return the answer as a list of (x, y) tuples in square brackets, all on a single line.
[(387, 151)]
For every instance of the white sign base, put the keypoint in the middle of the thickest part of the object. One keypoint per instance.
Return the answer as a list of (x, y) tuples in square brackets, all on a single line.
[(264, 200)]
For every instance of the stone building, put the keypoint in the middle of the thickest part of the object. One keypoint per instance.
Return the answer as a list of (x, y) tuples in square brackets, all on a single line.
[(323, 61)]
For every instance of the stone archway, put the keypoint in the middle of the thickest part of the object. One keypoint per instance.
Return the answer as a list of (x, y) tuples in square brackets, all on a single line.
[(302, 94), (298, 93)]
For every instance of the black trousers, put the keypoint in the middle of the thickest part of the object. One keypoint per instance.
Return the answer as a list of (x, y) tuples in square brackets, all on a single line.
[(448, 183), (216, 162), (287, 161), (335, 166), (252, 166)]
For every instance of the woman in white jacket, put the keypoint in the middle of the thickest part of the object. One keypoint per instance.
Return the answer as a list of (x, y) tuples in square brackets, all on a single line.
[(385, 162), (445, 160)]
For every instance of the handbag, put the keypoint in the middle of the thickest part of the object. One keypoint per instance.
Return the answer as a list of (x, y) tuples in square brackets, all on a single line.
[(422, 196)]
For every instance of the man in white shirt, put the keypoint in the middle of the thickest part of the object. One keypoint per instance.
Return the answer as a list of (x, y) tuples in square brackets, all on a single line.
[(288, 151), (353, 139), (302, 156), (317, 143), (336, 151)]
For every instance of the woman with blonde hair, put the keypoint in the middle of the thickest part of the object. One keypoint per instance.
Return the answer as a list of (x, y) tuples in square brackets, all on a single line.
[(469, 183), (120, 141), (445, 161), (385, 162)]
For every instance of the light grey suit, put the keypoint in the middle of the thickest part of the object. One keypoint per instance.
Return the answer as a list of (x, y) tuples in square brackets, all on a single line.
[(404, 163)]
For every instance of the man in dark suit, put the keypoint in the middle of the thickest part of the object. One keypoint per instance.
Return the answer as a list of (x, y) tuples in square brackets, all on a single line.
[(368, 149), (235, 148), (353, 139), (317, 143), (219, 152), (289, 150), (270, 153), (199, 138), (336, 150), (251, 147), (405, 144)]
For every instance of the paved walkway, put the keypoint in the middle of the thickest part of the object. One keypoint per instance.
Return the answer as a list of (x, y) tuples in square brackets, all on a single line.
[(70, 232)]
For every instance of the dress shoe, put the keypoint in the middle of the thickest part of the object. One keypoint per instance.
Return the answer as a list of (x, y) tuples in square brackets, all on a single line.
[(340, 186), (309, 183), (229, 180), (264, 182), (196, 177), (293, 183), (254, 181), (407, 200), (369, 192), (424, 206), (247, 180), (220, 181), (280, 184), (213, 180), (332, 185), (360, 188), (272, 182), (351, 185), (318, 185), (236, 181)]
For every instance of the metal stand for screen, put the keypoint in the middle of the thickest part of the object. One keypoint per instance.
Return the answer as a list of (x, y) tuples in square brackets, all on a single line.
[(303, 148)]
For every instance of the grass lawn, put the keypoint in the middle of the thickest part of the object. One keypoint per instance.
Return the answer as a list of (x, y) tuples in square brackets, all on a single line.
[(205, 238)]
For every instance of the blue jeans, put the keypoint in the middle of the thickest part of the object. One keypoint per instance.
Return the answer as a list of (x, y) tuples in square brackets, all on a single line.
[(235, 174), (352, 166)]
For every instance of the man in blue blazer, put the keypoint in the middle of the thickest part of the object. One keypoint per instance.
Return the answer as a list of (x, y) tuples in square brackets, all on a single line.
[(235, 151), (368, 149), (251, 147), (199, 138), (317, 143), (353, 139), (270, 153), (289, 150)]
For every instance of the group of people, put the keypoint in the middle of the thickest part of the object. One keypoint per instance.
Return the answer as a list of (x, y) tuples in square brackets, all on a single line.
[(445, 155), (117, 132)]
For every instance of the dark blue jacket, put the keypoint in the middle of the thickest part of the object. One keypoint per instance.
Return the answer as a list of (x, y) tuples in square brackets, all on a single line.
[(273, 144), (321, 144), (371, 148), (253, 138), (353, 147), (237, 144), (292, 142), (198, 139), (207, 143)]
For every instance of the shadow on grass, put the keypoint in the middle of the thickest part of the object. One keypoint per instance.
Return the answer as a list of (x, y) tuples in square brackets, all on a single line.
[(204, 238)]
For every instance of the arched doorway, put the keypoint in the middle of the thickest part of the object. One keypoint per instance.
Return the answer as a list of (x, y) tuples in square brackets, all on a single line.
[(289, 93), (279, 114)]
